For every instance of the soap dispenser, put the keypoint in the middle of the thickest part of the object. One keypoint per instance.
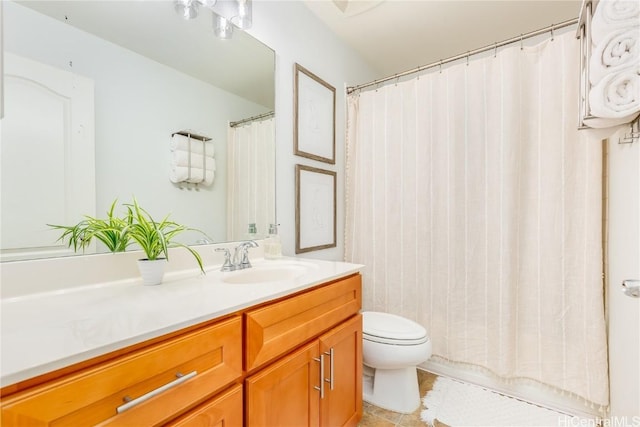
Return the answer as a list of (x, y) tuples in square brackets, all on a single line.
[(253, 231), (272, 244)]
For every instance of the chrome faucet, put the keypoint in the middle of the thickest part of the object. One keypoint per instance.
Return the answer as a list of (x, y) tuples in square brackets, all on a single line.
[(240, 256)]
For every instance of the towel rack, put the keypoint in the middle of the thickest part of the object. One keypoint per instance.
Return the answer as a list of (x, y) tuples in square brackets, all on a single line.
[(634, 133), (200, 138), (590, 115), (584, 34), (190, 134)]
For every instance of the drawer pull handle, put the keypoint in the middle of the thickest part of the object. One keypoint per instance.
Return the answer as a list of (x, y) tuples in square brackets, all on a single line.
[(321, 388), (330, 379), (131, 403)]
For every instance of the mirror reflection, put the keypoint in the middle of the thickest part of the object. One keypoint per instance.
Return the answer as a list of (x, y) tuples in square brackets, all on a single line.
[(95, 91)]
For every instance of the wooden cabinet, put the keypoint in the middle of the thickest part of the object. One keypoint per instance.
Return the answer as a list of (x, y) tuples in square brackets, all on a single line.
[(293, 362), (224, 410), (342, 352), (284, 393), (277, 328), (319, 384), (146, 387)]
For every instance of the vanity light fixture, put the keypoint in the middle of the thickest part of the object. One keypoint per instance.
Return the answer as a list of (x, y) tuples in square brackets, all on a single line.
[(225, 13)]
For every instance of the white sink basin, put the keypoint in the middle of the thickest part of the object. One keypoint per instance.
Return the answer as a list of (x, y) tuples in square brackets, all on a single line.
[(275, 271)]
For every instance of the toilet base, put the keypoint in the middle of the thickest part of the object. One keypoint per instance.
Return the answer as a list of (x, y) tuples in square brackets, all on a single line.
[(392, 389)]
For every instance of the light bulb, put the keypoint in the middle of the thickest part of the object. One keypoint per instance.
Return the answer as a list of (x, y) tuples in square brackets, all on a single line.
[(188, 9), (243, 18), (222, 27), (208, 3)]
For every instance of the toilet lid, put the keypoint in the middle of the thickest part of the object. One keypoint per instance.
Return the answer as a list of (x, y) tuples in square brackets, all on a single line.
[(391, 327)]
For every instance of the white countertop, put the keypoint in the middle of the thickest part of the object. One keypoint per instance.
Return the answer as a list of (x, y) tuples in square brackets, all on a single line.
[(47, 331)]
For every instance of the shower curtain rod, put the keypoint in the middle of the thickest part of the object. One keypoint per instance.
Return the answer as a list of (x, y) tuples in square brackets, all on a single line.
[(251, 119), (551, 28)]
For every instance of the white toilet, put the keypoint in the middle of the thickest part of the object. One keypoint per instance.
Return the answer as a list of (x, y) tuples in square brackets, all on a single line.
[(392, 347)]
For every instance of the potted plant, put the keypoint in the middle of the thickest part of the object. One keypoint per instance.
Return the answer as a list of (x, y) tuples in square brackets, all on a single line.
[(112, 232), (137, 225), (155, 239)]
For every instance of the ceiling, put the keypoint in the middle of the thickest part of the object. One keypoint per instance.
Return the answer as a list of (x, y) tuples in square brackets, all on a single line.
[(398, 35)]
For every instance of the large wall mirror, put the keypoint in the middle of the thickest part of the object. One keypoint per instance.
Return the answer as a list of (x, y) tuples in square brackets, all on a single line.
[(94, 91)]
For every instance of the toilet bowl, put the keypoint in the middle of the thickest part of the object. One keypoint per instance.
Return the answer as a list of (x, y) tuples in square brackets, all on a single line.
[(392, 347)]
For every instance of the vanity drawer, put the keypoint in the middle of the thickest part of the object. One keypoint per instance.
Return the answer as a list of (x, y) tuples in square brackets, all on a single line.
[(280, 327), (207, 359)]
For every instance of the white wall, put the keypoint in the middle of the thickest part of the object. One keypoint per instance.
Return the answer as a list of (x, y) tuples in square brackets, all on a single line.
[(298, 36), (624, 264), (139, 103)]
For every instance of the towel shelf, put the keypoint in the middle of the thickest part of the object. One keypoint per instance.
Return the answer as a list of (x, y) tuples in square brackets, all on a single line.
[(192, 135), (633, 135), (584, 34), (192, 159), (601, 30)]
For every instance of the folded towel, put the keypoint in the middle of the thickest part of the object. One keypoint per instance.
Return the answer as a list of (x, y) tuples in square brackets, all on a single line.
[(182, 174), (617, 95), (617, 50), (181, 142), (612, 15), (181, 158)]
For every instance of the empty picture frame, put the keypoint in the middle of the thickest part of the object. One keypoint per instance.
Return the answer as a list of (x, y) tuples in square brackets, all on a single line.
[(314, 110), (315, 209)]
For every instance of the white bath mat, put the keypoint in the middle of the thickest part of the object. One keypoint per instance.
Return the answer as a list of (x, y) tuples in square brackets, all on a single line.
[(459, 404)]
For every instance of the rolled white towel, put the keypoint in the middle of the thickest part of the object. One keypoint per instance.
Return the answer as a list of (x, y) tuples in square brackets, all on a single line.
[(181, 142), (181, 158), (179, 174), (612, 15), (600, 123), (617, 95), (618, 50)]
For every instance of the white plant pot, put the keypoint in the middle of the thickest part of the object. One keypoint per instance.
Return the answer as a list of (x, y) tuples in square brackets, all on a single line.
[(152, 272)]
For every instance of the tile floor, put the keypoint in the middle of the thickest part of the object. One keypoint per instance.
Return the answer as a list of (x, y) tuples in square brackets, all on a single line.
[(372, 416)]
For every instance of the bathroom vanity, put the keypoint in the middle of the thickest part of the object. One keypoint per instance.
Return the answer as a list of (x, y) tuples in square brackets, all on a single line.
[(207, 350)]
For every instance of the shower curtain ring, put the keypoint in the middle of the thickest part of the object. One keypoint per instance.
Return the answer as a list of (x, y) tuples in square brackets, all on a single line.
[(441, 66), (552, 28), (468, 59), (521, 45), (495, 50), (397, 78)]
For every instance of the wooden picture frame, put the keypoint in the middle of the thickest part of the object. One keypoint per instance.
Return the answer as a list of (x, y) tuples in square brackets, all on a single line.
[(316, 226), (314, 112)]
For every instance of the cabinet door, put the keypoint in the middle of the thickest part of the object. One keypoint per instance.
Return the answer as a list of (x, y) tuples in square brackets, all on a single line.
[(284, 394), (342, 402), (224, 410)]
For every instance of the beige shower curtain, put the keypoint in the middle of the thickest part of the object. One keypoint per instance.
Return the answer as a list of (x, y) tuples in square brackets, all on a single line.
[(475, 205), (250, 178)]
